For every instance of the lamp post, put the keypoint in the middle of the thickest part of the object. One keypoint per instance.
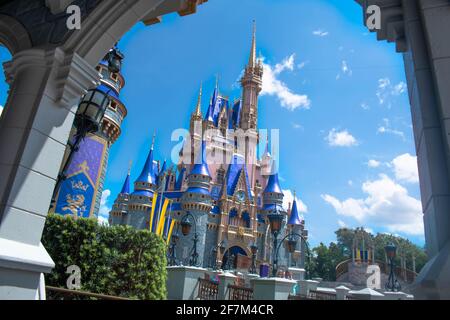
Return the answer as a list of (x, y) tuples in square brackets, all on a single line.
[(173, 257), (275, 221), (254, 251), (89, 116), (221, 246), (392, 283), (186, 226), (88, 119)]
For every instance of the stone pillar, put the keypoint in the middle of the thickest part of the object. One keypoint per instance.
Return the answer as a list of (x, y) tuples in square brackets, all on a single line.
[(249, 277), (297, 273), (272, 288), (182, 282), (224, 280), (428, 73), (342, 292), (45, 87), (366, 294), (306, 285)]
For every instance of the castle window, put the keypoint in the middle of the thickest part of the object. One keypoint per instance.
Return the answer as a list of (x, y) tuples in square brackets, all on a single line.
[(114, 76)]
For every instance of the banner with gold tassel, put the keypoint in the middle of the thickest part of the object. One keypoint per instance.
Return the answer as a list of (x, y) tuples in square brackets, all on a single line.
[(162, 218)]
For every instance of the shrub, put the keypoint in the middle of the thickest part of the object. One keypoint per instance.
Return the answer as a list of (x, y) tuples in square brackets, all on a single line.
[(116, 260)]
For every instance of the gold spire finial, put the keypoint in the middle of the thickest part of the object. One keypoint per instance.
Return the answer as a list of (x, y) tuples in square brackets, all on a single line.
[(129, 166), (252, 58), (217, 80), (294, 195), (198, 109)]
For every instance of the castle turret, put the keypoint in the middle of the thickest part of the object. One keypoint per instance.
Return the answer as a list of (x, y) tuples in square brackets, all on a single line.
[(197, 201), (79, 194), (272, 194), (118, 214), (140, 203), (146, 183), (251, 83)]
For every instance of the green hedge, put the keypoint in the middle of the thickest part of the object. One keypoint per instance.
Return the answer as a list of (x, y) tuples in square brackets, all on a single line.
[(116, 260)]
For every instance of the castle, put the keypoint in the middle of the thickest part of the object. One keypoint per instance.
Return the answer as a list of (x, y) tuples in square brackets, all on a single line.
[(220, 182)]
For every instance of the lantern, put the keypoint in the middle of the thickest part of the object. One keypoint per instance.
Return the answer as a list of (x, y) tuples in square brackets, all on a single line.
[(391, 250), (91, 110), (186, 226)]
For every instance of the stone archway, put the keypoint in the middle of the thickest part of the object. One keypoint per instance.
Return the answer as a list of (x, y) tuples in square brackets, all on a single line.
[(47, 76), (47, 80)]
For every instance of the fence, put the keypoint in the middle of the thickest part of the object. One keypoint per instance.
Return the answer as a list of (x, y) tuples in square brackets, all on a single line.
[(314, 295), (239, 293), (207, 289), (54, 293)]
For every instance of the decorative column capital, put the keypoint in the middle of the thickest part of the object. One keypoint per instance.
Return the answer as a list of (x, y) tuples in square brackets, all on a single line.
[(57, 6), (392, 21), (70, 76)]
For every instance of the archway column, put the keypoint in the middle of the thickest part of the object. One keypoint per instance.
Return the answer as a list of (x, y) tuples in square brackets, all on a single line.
[(45, 87), (416, 26)]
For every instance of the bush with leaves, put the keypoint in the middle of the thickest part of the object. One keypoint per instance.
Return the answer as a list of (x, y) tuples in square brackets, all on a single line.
[(116, 260)]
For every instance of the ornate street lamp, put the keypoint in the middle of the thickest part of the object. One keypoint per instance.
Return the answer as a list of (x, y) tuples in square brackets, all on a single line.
[(220, 247), (186, 226), (174, 241), (275, 222), (392, 283), (88, 119), (254, 251)]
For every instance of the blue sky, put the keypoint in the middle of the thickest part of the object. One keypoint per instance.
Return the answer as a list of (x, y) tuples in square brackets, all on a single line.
[(349, 154)]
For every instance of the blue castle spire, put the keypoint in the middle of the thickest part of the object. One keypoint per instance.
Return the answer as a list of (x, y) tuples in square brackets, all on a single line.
[(148, 175), (273, 185), (294, 218), (201, 168), (126, 185)]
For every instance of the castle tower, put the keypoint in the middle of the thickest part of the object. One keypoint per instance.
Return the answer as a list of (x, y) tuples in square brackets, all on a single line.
[(196, 128), (251, 83), (119, 211), (140, 203), (80, 192), (272, 194), (197, 201)]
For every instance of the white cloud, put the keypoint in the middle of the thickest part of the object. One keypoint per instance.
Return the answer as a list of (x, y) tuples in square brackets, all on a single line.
[(341, 224), (405, 168), (340, 138), (387, 205), (386, 90), (350, 182), (103, 212), (297, 125), (275, 87), (289, 199), (365, 106), (302, 64), (373, 163), (320, 33), (346, 69), (386, 129), (286, 64)]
